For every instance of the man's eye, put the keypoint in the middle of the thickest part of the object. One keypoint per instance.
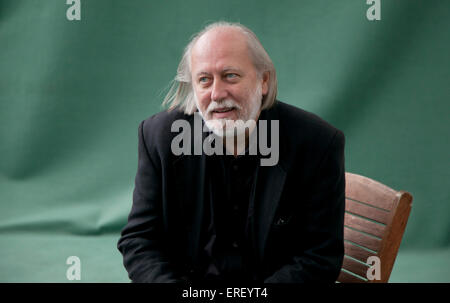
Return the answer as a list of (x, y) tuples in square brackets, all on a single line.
[(203, 80), (231, 76)]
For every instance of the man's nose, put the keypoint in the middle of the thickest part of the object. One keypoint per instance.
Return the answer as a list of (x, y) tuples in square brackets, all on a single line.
[(219, 91)]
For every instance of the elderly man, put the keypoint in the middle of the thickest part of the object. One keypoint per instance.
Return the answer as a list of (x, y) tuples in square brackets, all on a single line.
[(226, 217)]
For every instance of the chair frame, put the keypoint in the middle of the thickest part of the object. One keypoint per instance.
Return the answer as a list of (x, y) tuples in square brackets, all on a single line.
[(375, 220)]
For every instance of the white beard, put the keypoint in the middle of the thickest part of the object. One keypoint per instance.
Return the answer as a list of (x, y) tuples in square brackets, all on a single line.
[(246, 118)]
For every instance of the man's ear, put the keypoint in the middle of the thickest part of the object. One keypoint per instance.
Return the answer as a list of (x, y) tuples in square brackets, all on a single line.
[(265, 83)]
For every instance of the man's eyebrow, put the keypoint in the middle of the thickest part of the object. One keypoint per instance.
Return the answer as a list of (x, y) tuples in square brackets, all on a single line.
[(224, 70), (202, 74)]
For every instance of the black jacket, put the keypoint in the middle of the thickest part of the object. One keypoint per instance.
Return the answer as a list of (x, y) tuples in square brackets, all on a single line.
[(297, 213)]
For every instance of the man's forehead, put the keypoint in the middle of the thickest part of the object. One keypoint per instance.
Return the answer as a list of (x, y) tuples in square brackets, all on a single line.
[(220, 43)]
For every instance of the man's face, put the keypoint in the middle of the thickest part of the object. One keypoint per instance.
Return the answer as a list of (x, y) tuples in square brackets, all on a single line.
[(225, 82)]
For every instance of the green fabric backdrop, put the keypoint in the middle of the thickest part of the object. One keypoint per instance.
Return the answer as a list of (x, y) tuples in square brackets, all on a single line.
[(73, 92)]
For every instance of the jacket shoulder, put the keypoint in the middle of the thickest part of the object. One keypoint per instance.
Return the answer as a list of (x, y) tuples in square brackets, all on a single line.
[(310, 123), (163, 120), (305, 126), (306, 134), (156, 130)]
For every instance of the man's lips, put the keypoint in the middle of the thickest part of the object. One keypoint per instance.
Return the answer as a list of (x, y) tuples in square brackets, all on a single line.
[(223, 112)]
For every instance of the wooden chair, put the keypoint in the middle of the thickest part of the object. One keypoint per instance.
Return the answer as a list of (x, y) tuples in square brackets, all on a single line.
[(375, 219)]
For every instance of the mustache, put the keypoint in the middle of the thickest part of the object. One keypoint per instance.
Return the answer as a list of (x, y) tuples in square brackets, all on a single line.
[(227, 103)]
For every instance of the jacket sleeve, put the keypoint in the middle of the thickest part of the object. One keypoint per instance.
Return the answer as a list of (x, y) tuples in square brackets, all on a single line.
[(320, 252), (141, 242)]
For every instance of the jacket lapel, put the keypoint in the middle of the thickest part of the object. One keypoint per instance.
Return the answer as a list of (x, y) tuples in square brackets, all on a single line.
[(269, 185)]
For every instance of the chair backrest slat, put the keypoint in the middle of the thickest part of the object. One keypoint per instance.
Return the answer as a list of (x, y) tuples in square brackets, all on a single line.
[(364, 225), (357, 252), (368, 191), (362, 239), (345, 277), (355, 267), (367, 211)]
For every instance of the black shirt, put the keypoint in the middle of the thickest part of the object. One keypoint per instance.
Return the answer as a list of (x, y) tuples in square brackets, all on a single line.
[(227, 247)]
